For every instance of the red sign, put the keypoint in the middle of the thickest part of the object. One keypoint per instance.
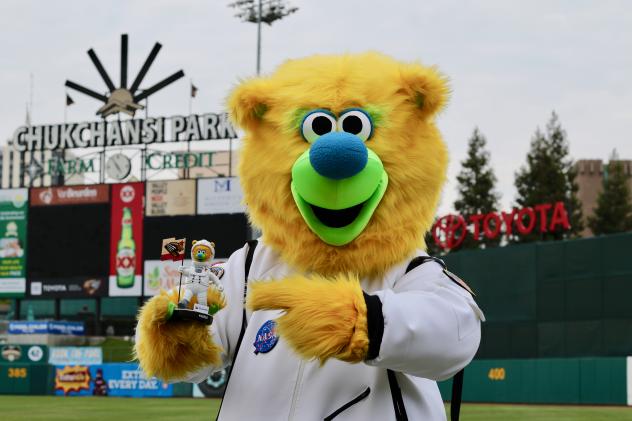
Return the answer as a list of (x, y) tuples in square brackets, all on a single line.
[(70, 195), (126, 239), (72, 379), (449, 231)]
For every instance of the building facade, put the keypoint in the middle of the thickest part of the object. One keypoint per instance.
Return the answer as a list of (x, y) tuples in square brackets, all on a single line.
[(591, 174)]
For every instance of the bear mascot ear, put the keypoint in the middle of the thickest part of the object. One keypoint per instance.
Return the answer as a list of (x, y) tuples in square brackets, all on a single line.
[(249, 102), (426, 87)]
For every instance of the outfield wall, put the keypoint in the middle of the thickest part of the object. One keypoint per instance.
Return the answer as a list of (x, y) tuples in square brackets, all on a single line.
[(553, 299), (597, 381), (601, 381), (80, 371)]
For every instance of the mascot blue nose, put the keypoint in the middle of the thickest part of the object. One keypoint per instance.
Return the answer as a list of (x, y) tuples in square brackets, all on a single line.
[(338, 155)]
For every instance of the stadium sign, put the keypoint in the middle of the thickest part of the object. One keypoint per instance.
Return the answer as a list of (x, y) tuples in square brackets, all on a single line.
[(157, 160), (124, 98), (176, 160), (449, 231), (69, 195), (210, 126), (57, 166), (47, 155)]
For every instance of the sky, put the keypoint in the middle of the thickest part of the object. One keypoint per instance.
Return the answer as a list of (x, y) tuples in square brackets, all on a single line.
[(511, 63)]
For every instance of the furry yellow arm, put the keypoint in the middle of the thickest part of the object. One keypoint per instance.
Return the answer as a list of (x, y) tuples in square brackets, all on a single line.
[(172, 350), (324, 318)]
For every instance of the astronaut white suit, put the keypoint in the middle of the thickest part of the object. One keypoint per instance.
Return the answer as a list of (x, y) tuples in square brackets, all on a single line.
[(199, 277)]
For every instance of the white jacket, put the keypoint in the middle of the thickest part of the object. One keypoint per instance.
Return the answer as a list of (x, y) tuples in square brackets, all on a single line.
[(431, 331)]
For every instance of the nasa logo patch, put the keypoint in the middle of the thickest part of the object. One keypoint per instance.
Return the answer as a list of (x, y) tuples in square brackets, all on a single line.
[(266, 337)]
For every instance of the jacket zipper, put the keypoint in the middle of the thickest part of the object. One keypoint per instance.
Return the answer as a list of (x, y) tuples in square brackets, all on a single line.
[(297, 386), (349, 404)]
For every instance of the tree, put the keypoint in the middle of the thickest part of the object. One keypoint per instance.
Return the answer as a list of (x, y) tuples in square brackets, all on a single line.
[(614, 205), (476, 189), (549, 177)]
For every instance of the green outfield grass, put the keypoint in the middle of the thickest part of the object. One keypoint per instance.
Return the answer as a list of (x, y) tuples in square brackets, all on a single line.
[(53, 408), (484, 412), (79, 408)]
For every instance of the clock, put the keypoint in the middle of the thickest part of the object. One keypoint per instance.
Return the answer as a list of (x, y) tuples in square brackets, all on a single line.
[(118, 166)]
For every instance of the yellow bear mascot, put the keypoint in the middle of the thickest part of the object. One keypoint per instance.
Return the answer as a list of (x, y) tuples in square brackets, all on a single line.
[(336, 312)]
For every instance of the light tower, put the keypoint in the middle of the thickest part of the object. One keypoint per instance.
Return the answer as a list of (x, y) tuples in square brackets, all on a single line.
[(257, 11)]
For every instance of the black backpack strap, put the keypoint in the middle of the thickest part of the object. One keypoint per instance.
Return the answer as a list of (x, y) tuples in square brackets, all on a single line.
[(420, 260), (396, 394), (457, 392), (252, 244), (457, 382)]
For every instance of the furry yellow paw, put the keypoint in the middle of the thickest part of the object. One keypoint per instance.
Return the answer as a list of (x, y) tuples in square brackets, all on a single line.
[(324, 318), (172, 350)]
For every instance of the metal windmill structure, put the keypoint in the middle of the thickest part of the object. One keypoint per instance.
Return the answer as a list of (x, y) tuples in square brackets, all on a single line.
[(258, 11), (124, 99)]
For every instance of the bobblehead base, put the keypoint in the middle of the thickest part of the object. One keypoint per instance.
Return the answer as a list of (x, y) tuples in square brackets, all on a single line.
[(176, 314)]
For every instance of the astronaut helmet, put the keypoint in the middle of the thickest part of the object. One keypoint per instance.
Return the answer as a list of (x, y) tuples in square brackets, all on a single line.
[(202, 252)]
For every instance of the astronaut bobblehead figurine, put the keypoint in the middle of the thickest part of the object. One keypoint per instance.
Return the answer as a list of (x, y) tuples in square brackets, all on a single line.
[(199, 277)]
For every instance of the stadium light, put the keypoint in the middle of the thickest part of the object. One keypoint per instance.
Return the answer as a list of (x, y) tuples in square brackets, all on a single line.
[(267, 11)]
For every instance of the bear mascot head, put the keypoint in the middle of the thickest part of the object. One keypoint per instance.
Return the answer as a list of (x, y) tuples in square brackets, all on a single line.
[(342, 164)]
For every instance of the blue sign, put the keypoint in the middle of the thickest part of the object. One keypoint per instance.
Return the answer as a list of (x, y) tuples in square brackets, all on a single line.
[(46, 327), (110, 379), (79, 355)]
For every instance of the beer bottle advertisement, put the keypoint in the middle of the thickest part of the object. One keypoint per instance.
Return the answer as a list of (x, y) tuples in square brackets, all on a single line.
[(126, 239), (13, 218)]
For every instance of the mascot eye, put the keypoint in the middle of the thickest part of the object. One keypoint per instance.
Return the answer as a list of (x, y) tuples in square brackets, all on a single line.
[(356, 122), (316, 124)]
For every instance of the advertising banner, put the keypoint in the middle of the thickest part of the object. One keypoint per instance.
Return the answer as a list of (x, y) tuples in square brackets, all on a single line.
[(23, 353), (170, 198), (20, 327), (161, 274), (450, 230), (74, 287), (70, 195), (126, 239), (219, 195), (75, 355), (13, 217), (113, 379)]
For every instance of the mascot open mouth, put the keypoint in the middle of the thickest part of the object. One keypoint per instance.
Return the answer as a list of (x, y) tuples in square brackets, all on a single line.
[(337, 218), (337, 211)]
